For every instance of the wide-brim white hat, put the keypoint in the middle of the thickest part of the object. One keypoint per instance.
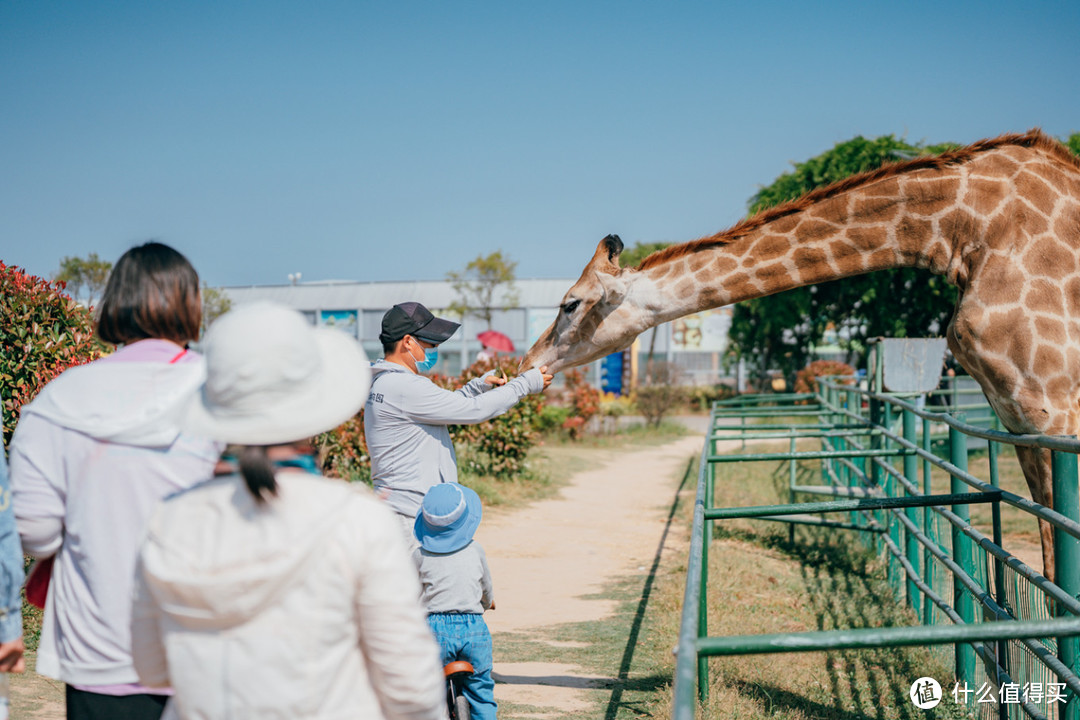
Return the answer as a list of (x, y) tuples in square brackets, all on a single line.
[(273, 378)]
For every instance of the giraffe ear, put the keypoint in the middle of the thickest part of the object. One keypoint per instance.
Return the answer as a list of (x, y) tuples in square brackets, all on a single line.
[(606, 258), (613, 285)]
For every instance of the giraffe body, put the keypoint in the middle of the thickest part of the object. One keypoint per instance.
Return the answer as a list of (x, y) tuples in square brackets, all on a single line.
[(1000, 219)]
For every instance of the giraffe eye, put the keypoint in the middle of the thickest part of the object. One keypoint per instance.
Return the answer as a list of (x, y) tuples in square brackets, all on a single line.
[(570, 306)]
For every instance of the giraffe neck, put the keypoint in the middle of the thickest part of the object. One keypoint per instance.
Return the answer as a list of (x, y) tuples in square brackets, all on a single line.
[(912, 220)]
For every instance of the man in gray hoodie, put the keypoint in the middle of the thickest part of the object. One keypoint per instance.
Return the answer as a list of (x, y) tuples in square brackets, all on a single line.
[(406, 415)]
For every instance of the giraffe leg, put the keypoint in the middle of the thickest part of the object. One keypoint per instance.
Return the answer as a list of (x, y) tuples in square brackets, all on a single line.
[(1035, 462)]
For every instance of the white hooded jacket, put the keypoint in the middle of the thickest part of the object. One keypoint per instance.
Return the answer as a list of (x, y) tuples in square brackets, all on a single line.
[(92, 456), (305, 607)]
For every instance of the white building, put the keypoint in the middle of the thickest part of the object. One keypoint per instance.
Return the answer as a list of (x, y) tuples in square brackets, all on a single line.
[(695, 342)]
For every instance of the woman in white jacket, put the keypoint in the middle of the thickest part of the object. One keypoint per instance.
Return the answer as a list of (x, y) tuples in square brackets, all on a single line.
[(92, 456), (276, 593)]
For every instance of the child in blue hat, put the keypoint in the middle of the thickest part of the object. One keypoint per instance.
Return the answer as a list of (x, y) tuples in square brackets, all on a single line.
[(457, 586)]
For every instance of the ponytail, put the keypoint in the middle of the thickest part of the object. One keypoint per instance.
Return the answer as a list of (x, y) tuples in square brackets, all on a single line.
[(257, 471)]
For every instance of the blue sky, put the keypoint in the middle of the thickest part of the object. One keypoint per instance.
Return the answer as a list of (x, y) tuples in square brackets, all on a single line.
[(397, 141)]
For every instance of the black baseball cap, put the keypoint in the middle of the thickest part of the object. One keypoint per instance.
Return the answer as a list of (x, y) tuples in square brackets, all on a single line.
[(414, 319)]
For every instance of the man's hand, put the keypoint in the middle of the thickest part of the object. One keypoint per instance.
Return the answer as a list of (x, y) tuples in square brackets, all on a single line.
[(11, 656), (496, 378)]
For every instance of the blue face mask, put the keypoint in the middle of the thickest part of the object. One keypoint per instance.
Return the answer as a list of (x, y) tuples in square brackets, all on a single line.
[(431, 356)]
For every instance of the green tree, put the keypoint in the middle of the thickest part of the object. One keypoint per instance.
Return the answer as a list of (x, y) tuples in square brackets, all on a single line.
[(215, 303), (1073, 143), (780, 331), (89, 273), (478, 285), (632, 257)]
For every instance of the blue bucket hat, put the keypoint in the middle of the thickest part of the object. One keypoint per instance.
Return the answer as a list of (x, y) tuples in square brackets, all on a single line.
[(448, 518)]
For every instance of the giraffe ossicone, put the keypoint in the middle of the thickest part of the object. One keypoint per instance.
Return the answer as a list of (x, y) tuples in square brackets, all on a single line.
[(1000, 219)]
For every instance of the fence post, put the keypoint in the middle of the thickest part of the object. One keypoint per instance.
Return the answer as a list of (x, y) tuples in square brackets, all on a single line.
[(911, 544), (849, 473), (1067, 559), (873, 472), (928, 526), (1000, 595), (832, 398), (703, 598), (792, 481), (961, 552), (893, 570)]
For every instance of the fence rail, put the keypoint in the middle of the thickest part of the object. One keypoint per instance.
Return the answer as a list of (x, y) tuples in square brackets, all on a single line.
[(879, 458)]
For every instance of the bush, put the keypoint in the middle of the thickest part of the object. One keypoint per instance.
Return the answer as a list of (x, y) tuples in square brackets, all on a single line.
[(806, 379), (574, 427), (701, 397), (502, 444), (660, 395), (344, 451), (42, 333), (585, 401), (613, 407), (551, 418)]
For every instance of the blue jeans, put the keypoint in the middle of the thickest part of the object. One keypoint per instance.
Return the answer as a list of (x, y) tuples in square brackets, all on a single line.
[(465, 636)]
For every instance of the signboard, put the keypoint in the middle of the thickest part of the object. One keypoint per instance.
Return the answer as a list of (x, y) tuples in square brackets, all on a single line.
[(344, 320), (912, 364), (706, 331)]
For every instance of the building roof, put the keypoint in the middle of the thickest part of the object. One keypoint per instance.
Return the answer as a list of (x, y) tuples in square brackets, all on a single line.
[(348, 295)]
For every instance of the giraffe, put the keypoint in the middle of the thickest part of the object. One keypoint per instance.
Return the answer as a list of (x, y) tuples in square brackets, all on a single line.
[(1000, 219)]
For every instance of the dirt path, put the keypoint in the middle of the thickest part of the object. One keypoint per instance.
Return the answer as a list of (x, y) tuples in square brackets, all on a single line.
[(549, 558)]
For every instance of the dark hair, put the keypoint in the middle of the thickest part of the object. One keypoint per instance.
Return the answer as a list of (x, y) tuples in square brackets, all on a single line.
[(389, 348), (257, 471), (153, 292)]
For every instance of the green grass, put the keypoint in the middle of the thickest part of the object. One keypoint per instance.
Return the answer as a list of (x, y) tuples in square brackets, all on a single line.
[(637, 433)]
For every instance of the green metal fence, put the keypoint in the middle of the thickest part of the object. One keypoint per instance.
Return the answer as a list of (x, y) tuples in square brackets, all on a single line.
[(1002, 622)]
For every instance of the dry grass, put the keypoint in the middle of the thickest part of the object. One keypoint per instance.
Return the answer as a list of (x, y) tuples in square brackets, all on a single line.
[(761, 583)]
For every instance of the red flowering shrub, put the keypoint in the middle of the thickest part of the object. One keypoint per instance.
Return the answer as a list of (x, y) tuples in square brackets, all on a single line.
[(806, 379), (42, 333), (583, 397), (574, 426), (344, 451)]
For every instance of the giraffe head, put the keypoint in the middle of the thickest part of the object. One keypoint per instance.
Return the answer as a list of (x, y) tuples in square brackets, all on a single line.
[(593, 319)]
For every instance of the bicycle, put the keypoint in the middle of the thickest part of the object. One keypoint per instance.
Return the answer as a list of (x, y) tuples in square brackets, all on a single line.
[(456, 702)]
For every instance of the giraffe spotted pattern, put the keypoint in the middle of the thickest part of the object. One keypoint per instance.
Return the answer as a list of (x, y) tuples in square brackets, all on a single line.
[(1000, 219)]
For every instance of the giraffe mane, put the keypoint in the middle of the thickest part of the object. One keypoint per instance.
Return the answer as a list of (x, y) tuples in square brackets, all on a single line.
[(1034, 138)]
